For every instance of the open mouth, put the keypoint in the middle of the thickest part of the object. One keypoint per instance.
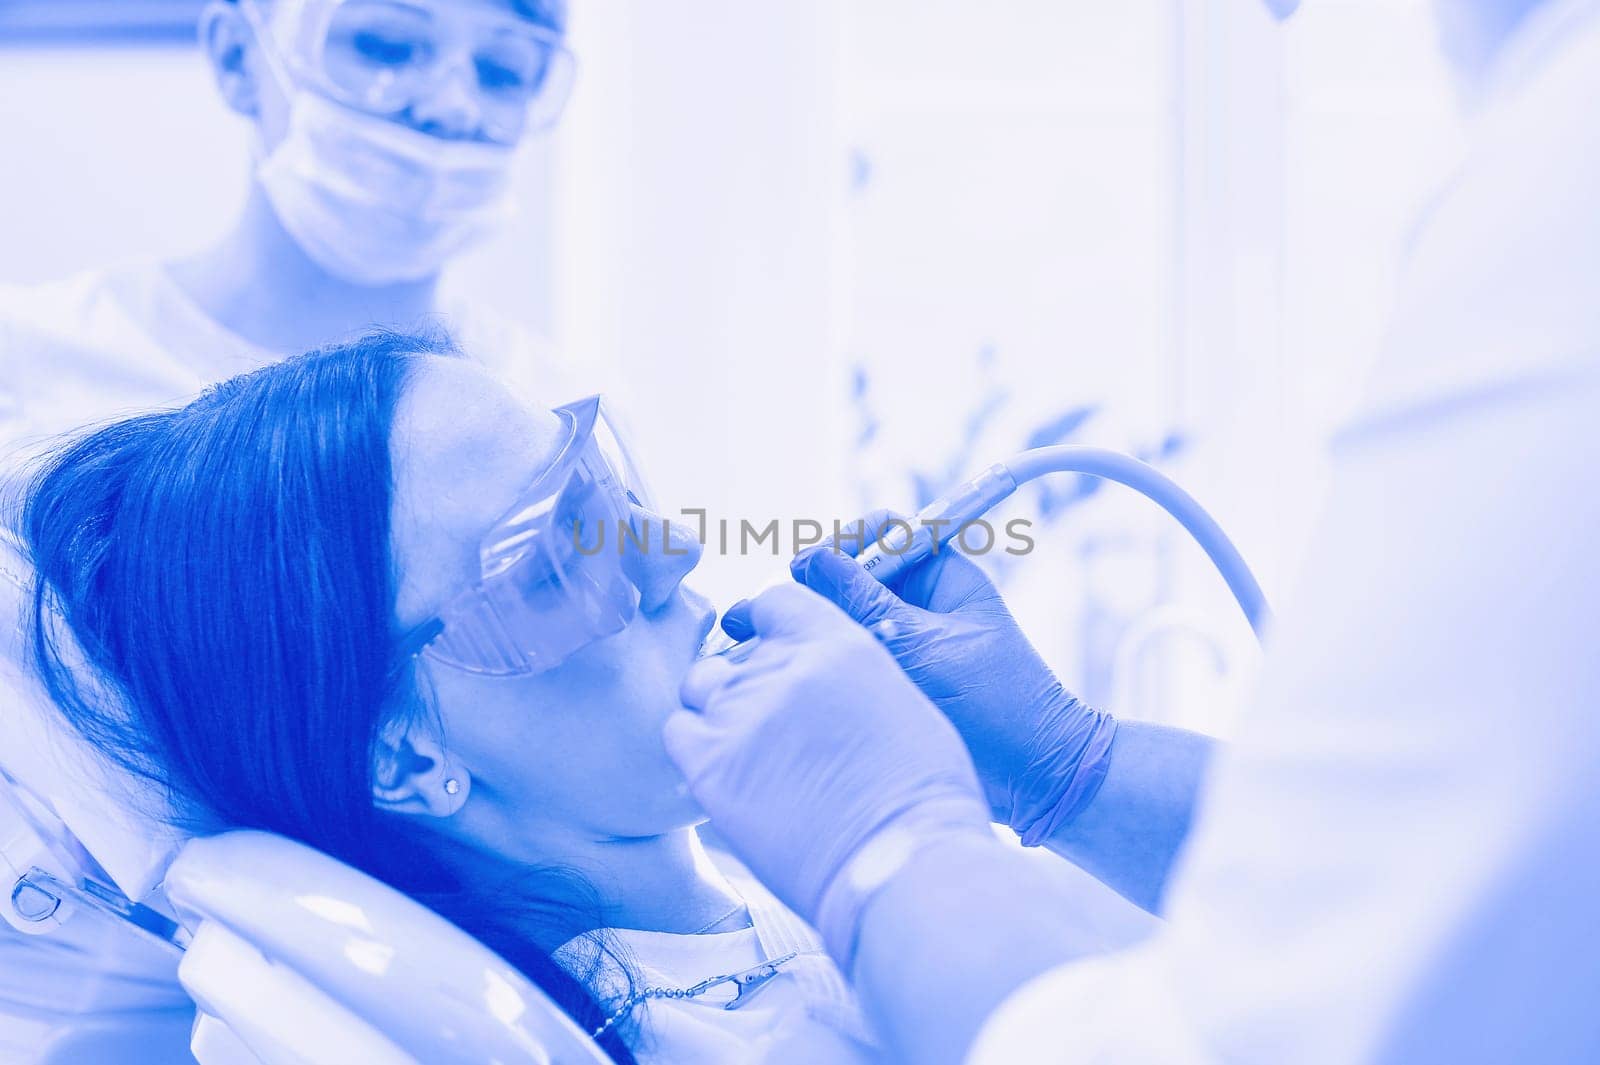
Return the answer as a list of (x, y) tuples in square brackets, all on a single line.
[(716, 642), (719, 643), (712, 639)]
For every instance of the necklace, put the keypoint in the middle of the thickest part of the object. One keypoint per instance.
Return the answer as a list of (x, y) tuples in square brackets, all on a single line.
[(703, 929), (747, 981)]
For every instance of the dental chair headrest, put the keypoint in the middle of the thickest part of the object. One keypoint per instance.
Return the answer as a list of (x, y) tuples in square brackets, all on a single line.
[(401, 969), (116, 818), (357, 963)]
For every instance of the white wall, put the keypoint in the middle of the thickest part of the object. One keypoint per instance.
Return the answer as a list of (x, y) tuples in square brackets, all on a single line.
[(101, 158), (1169, 209), (698, 182), (1010, 238), (755, 200)]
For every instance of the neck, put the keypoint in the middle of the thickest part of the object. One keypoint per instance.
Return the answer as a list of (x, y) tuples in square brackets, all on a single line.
[(661, 883), (1473, 33), (259, 285), (664, 883)]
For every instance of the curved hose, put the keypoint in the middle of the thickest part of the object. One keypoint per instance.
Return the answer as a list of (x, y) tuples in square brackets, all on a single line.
[(1158, 487)]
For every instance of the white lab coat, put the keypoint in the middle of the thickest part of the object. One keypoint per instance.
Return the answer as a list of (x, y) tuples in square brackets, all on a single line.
[(112, 342), (1399, 859)]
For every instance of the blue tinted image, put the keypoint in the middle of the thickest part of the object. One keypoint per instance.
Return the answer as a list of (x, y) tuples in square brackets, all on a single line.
[(551, 531)]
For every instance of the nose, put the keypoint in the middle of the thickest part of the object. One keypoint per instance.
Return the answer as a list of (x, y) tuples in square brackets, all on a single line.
[(450, 107), (659, 557)]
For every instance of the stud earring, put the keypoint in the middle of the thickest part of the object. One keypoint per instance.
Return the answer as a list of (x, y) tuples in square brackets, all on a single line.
[(452, 786)]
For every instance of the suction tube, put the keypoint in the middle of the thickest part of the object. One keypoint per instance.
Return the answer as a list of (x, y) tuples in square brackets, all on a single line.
[(908, 542)]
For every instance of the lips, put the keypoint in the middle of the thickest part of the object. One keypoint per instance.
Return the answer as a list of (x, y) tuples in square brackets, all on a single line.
[(711, 637), (716, 643)]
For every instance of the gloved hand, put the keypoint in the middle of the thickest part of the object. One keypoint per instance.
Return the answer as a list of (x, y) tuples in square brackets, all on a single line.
[(1040, 753), (819, 762)]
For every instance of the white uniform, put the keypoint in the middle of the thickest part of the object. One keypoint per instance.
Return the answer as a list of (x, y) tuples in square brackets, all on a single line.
[(804, 1015), (1399, 860), (112, 342), (86, 350)]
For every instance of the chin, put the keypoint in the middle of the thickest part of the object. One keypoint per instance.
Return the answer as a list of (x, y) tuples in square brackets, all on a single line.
[(671, 814), (656, 801), (677, 804), (689, 812)]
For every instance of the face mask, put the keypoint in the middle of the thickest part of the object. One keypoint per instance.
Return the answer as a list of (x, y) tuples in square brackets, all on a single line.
[(373, 202)]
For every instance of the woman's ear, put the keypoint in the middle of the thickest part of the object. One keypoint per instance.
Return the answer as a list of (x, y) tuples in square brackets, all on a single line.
[(229, 42), (413, 774)]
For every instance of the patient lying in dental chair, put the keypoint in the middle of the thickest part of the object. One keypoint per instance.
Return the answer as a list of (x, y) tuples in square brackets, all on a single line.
[(367, 600)]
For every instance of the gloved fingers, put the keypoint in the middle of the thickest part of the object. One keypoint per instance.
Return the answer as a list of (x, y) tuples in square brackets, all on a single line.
[(794, 610), (736, 621), (859, 534), (841, 580), (895, 635), (948, 582), (717, 684), (855, 536), (690, 741), (704, 677), (944, 583)]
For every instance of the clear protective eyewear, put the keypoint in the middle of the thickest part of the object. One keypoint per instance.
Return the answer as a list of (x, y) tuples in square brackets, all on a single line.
[(553, 575), (384, 56)]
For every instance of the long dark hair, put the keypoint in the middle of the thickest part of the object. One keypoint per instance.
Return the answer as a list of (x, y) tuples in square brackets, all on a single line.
[(225, 569)]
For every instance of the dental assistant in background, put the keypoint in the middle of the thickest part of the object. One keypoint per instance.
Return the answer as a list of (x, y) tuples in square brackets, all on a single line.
[(1398, 858), (386, 134)]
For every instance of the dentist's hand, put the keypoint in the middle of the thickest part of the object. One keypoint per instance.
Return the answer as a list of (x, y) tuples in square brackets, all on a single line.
[(1040, 752), (819, 761)]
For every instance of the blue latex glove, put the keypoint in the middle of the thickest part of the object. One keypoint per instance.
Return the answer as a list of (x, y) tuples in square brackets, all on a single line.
[(1040, 752), (819, 762)]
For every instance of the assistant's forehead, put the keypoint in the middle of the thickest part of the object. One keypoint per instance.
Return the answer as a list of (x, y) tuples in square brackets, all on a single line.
[(464, 448)]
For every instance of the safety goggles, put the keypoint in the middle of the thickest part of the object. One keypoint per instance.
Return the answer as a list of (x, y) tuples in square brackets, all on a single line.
[(385, 56), (552, 570)]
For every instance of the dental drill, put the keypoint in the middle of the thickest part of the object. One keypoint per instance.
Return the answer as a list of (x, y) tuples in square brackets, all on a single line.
[(905, 543)]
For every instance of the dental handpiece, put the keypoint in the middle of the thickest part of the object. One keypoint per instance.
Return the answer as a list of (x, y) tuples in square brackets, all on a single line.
[(902, 543)]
